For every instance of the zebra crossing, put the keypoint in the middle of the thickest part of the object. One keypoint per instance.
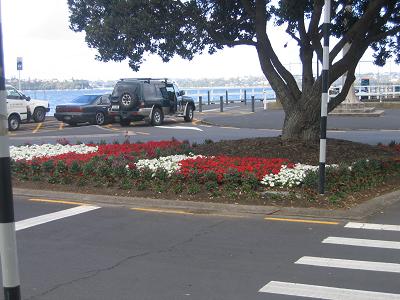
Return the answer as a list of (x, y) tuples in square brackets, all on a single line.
[(298, 289)]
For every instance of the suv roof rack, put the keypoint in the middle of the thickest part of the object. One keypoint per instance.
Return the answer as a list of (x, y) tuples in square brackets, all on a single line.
[(145, 79)]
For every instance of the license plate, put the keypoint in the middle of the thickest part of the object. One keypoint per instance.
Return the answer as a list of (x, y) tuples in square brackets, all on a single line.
[(67, 118), (115, 107)]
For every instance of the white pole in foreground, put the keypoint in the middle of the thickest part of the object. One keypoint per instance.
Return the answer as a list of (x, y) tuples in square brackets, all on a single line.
[(8, 244), (324, 96)]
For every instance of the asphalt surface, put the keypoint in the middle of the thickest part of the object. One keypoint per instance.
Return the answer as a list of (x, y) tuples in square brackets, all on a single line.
[(115, 252), (236, 122), (102, 251)]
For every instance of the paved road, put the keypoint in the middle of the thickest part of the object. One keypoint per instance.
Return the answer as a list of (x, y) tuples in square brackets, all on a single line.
[(236, 122), (112, 252)]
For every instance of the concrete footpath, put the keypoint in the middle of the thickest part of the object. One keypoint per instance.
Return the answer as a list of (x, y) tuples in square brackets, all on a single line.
[(358, 212), (273, 119)]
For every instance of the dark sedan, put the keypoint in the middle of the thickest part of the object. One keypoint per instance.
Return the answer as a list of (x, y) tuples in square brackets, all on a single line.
[(86, 108)]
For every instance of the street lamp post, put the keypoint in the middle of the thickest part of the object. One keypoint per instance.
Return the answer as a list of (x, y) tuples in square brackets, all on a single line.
[(8, 244)]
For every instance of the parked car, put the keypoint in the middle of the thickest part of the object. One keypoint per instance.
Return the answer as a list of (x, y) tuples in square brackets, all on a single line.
[(135, 99), (37, 109), (17, 111), (87, 108)]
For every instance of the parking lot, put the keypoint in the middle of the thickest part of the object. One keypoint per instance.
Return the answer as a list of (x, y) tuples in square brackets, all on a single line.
[(235, 122)]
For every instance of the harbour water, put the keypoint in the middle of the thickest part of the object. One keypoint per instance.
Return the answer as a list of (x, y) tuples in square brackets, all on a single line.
[(58, 97)]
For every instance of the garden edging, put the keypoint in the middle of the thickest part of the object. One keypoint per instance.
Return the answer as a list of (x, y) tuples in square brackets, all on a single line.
[(358, 212)]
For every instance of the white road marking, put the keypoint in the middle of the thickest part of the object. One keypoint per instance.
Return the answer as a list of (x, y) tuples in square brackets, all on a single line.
[(324, 292), (180, 127), (372, 226), (53, 216), (349, 264), (362, 242), (217, 109)]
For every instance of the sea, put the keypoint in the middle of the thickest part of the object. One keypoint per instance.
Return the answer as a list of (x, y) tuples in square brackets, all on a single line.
[(59, 97)]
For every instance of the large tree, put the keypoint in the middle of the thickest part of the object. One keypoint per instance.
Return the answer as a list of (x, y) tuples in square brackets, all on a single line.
[(127, 29)]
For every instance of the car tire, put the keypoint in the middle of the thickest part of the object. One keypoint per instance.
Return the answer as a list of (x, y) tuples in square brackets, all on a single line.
[(127, 101), (99, 118), (189, 114), (157, 117), (13, 122), (124, 123), (39, 114)]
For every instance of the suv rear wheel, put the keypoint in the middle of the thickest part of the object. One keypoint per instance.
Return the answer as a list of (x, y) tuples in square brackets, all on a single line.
[(157, 117)]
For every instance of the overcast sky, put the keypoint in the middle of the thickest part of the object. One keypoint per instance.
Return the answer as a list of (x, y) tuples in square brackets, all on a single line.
[(38, 31)]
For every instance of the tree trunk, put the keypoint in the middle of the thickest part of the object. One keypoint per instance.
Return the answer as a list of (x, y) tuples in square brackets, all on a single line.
[(302, 122)]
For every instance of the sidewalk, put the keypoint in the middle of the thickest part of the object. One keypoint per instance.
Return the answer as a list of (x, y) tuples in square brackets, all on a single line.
[(273, 119)]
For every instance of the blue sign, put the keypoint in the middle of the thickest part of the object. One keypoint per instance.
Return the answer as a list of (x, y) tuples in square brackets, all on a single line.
[(19, 63)]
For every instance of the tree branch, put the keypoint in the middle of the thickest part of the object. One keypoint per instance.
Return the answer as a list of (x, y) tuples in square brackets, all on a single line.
[(276, 73), (241, 42), (359, 29), (249, 9), (382, 35), (334, 102)]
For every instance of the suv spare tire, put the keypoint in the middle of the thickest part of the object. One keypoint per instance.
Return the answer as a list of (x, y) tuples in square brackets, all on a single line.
[(127, 101)]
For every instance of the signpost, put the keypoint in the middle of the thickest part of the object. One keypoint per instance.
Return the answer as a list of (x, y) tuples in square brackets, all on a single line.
[(19, 69), (8, 244), (324, 96)]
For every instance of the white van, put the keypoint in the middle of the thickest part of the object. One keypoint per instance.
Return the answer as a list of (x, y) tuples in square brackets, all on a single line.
[(17, 111), (37, 109)]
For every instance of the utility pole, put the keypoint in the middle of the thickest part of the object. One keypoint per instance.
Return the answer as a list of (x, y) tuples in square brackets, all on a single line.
[(324, 96), (8, 243)]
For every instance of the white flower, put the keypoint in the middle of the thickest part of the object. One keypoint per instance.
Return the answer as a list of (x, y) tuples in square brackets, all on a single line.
[(170, 164), (48, 150)]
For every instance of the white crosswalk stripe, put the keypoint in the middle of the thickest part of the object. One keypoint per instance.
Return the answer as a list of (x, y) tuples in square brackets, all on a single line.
[(327, 292), (349, 264), (323, 292), (372, 226), (361, 242), (53, 216)]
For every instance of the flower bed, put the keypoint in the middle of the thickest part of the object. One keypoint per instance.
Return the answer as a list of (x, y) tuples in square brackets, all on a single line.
[(83, 153), (165, 166)]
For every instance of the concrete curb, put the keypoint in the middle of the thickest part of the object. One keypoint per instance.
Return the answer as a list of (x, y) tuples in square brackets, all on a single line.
[(355, 213)]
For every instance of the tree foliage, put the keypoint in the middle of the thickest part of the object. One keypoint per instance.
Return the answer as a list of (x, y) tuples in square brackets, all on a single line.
[(127, 29)]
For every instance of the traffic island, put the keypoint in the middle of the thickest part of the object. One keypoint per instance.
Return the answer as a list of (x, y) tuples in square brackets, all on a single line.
[(258, 172)]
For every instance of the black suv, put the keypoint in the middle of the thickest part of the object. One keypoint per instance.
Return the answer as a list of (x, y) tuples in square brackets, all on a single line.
[(135, 99)]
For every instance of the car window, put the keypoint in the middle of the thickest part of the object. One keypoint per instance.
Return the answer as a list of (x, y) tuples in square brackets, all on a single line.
[(104, 100), (13, 93), (149, 90), (85, 99), (161, 91)]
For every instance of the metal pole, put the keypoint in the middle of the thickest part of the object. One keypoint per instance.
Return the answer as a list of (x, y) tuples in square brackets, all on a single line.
[(221, 103), (200, 103), (324, 96), (19, 79), (245, 97), (252, 103), (208, 97), (8, 243), (226, 96)]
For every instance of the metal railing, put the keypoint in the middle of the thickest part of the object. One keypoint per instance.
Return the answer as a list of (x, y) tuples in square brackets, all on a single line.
[(369, 93)]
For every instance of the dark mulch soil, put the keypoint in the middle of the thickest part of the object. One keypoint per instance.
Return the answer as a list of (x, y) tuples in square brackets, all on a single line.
[(338, 151)]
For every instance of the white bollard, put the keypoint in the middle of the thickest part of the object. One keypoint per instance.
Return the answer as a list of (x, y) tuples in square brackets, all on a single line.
[(265, 102)]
